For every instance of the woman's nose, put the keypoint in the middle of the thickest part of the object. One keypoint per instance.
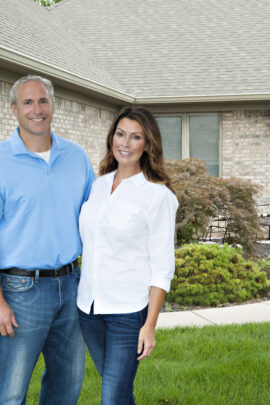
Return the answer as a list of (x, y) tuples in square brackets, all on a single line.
[(126, 141)]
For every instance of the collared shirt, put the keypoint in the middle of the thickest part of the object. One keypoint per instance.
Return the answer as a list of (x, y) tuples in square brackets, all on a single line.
[(40, 203), (128, 244)]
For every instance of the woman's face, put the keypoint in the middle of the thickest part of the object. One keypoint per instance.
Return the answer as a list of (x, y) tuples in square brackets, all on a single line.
[(128, 143)]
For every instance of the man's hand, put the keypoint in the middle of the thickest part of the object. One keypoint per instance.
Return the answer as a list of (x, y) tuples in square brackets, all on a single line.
[(7, 319)]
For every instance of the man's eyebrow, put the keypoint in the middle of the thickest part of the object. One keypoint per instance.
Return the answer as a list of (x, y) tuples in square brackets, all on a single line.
[(31, 99)]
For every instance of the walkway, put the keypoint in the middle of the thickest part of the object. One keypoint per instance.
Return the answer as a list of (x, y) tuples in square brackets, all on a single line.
[(258, 312)]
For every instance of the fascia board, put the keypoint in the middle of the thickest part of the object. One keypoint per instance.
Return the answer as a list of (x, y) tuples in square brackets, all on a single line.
[(203, 99), (20, 60)]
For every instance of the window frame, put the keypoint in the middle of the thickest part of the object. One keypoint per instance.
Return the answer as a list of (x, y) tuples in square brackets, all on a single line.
[(185, 132)]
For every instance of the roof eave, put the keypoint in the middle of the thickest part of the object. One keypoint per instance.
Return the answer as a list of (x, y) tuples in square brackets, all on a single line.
[(203, 99), (27, 63)]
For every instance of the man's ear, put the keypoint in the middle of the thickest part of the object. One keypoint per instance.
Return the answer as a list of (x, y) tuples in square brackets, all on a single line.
[(13, 109)]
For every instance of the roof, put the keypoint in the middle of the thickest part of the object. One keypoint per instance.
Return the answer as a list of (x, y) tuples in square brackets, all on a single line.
[(150, 50), (29, 33), (176, 47)]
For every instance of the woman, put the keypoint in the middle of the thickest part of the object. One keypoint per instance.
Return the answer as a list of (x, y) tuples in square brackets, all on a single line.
[(127, 230)]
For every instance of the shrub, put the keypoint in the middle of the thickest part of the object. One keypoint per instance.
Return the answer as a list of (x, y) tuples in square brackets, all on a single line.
[(264, 264), (204, 198), (209, 275)]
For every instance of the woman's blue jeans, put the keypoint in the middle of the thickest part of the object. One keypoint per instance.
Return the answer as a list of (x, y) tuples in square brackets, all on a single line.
[(46, 312), (112, 341)]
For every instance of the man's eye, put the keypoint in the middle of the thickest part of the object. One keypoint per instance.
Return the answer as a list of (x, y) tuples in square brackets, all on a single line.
[(27, 102), (44, 101)]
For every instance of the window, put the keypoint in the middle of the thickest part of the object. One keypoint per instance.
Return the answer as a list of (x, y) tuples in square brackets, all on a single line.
[(191, 135), (171, 132)]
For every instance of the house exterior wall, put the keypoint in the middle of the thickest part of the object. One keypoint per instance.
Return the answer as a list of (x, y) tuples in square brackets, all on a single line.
[(84, 124), (245, 148), (77, 121)]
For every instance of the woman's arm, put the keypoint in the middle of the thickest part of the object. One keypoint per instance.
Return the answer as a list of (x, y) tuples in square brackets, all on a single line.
[(146, 341), (161, 225)]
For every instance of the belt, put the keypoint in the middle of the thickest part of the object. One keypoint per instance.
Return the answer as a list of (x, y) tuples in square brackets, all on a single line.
[(60, 271)]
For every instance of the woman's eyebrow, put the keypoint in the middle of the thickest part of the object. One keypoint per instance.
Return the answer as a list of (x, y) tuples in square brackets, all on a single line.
[(132, 133)]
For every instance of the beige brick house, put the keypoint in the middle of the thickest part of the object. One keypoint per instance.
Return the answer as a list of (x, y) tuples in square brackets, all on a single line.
[(202, 67)]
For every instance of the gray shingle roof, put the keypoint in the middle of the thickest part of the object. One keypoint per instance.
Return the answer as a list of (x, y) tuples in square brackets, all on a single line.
[(148, 48), (32, 30), (176, 47)]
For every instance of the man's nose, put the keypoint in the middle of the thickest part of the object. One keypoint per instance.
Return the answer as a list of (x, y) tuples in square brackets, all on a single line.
[(37, 108)]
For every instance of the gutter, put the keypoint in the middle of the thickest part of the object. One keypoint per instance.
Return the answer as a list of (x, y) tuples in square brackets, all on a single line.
[(23, 61), (203, 99)]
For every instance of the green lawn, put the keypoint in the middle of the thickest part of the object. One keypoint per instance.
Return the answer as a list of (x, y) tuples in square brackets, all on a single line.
[(224, 365)]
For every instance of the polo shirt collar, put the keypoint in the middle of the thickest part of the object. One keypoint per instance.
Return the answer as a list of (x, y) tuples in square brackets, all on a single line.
[(18, 147)]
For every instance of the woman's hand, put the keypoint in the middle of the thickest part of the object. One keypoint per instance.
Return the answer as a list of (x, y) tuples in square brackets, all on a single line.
[(146, 341)]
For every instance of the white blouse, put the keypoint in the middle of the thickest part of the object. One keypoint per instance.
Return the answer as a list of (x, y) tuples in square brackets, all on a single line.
[(128, 244)]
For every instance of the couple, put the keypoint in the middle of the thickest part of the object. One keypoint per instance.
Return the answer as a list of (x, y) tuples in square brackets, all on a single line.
[(127, 229)]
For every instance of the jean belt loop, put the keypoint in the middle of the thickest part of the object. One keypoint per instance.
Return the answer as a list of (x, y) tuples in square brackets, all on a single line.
[(72, 268), (36, 275)]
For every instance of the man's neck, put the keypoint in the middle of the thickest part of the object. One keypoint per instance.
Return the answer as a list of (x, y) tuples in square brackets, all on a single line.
[(36, 143)]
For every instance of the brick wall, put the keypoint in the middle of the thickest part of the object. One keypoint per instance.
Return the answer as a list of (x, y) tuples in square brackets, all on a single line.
[(84, 124), (7, 121), (246, 148)]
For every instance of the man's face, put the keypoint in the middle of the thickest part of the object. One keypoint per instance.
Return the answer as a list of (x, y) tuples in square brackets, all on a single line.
[(34, 109)]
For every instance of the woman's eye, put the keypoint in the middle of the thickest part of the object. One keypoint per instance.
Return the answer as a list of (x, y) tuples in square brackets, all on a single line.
[(119, 134), (137, 137)]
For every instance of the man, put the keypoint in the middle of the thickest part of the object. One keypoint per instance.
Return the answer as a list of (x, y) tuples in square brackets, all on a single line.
[(44, 180)]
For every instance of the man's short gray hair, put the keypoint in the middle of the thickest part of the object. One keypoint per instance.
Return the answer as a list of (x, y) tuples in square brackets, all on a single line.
[(25, 79)]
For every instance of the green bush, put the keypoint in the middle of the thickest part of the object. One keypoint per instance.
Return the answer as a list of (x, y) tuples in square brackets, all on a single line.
[(264, 264), (209, 275)]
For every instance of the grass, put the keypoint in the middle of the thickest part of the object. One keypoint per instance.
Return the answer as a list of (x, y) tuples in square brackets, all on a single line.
[(213, 365)]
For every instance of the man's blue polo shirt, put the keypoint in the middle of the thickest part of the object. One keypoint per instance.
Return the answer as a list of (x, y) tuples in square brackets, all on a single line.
[(40, 203)]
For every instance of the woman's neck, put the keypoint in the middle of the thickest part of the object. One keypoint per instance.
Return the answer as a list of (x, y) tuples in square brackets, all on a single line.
[(124, 173)]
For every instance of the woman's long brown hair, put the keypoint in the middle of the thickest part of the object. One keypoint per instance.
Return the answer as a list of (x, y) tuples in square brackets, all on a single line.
[(152, 161)]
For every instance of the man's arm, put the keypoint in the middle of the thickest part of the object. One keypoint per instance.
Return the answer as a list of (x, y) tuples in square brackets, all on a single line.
[(7, 317), (89, 178)]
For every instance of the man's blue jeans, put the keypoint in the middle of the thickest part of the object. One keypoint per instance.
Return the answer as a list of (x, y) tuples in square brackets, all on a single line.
[(46, 311), (112, 341)]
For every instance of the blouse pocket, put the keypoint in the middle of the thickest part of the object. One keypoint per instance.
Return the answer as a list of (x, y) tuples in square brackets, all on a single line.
[(126, 217)]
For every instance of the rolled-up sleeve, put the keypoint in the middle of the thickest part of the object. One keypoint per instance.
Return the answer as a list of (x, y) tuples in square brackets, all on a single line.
[(161, 225)]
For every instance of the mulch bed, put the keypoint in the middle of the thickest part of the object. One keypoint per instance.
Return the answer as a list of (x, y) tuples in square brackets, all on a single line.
[(172, 307)]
